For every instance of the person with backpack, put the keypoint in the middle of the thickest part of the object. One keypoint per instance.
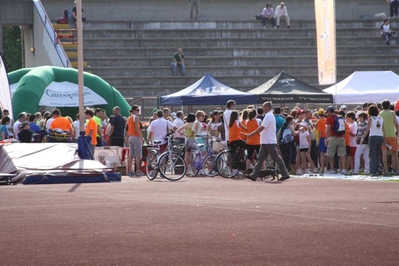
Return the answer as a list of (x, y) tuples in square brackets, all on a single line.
[(285, 138), (335, 139)]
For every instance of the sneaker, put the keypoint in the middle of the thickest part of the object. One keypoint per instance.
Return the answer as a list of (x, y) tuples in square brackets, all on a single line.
[(174, 74), (343, 172), (299, 172), (278, 26), (288, 27), (332, 172), (350, 172), (183, 74), (275, 27), (366, 172), (285, 178), (130, 173), (264, 27), (139, 173), (388, 43)]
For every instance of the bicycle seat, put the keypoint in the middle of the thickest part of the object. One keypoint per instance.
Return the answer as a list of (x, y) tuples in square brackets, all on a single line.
[(157, 142), (200, 145)]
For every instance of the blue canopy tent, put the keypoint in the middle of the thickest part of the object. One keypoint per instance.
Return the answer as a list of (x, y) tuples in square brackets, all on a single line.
[(207, 91)]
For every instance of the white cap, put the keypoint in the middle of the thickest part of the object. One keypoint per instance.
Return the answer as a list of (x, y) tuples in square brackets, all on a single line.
[(343, 107)]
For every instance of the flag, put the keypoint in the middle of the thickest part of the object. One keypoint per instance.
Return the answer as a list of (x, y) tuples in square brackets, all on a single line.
[(326, 41), (5, 94)]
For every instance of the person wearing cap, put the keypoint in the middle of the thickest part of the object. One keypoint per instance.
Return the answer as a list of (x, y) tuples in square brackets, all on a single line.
[(321, 128), (343, 108), (154, 115), (25, 134), (136, 141), (179, 137), (281, 12), (335, 142)]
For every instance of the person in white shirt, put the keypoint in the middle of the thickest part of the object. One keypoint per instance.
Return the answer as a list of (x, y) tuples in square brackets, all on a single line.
[(304, 148), (386, 30), (179, 137), (158, 130), (268, 144), (21, 119), (352, 126), (281, 12), (231, 105)]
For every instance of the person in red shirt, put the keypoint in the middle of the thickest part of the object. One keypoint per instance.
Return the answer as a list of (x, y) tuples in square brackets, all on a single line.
[(91, 129), (335, 143)]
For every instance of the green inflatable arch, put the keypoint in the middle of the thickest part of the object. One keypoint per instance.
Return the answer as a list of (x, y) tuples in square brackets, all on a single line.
[(32, 83)]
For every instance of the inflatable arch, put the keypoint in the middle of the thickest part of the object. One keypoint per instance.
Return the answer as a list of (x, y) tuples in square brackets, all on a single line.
[(58, 87)]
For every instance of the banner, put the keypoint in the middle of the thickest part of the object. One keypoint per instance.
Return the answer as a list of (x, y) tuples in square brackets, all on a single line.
[(66, 94), (326, 41), (5, 95)]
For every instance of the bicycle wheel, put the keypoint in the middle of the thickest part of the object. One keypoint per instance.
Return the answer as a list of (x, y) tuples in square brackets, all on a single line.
[(209, 165), (226, 163), (172, 166), (151, 168), (193, 168)]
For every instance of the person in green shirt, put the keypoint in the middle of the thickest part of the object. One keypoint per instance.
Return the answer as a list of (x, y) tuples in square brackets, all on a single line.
[(178, 61), (391, 127), (96, 117)]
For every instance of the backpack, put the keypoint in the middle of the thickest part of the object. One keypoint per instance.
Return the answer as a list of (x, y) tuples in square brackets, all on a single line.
[(286, 136), (339, 125)]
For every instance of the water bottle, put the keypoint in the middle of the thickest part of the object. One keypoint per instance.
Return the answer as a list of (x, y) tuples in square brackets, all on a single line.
[(388, 146)]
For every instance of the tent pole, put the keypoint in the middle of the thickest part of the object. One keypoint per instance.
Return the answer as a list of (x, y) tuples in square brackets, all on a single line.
[(335, 54), (79, 29)]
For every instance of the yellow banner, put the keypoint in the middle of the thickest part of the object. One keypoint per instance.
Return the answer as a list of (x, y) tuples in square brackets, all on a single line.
[(326, 43)]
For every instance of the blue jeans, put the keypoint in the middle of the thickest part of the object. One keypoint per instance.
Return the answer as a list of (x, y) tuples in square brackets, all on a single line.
[(375, 143), (174, 67)]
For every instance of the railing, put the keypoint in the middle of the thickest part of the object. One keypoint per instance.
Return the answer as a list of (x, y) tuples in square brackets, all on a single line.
[(51, 33), (144, 106)]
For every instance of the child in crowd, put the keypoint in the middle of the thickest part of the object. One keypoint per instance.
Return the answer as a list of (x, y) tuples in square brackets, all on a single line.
[(352, 131), (386, 30), (304, 149)]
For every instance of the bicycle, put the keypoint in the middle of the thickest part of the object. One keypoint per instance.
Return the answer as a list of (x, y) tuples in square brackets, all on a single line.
[(169, 164), (230, 162)]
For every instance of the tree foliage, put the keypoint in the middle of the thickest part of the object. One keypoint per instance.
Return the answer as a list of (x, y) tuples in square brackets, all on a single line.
[(12, 48)]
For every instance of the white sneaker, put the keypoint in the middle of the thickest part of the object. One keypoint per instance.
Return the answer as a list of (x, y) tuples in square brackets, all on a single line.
[(343, 172), (139, 173), (299, 172)]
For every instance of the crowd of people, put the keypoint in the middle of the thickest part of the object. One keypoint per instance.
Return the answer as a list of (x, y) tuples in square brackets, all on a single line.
[(297, 141)]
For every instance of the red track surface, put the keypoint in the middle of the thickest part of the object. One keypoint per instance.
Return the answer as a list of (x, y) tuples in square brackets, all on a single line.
[(201, 221)]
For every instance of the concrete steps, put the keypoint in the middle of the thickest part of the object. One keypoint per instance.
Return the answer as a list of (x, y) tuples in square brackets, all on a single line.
[(225, 24), (238, 60), (223, 33)]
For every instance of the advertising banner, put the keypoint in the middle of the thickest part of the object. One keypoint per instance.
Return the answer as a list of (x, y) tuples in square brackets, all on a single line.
[(326, 41), (5, 94)]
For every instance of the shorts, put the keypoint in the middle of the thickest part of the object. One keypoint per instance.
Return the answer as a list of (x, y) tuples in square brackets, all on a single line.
[(251, 151), (352, 151), (322, 145), (304, 150), (336, 144), (348, 150), (190, 145), (391, 141), (136, 148)]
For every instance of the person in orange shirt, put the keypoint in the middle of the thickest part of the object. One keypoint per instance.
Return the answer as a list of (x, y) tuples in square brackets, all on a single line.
[(235, 126), (253, 142), (62, 123), (91, 129), (136, 141), (321, 128)]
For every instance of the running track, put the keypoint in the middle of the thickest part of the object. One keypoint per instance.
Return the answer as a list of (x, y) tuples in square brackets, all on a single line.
[(201, 221)]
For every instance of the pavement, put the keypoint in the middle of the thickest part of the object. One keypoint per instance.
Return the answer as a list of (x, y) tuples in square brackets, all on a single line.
[(201, 221)]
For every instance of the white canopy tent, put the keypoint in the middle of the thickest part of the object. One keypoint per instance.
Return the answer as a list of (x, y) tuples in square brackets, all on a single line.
[(366, 86)]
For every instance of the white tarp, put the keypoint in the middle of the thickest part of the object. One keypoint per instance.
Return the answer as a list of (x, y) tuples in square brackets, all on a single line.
[(5, 96), (65, 94), (366, 86)]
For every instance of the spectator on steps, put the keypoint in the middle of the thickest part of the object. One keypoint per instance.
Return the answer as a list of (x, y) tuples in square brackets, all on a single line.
[(75, 15), (281, 12), (178, 60), (268, 14), (386, 30), (393, 7), (194, 4)]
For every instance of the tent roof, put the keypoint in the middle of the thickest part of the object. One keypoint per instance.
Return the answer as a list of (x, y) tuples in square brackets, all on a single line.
[(285, 88), (207, 91), (366, 86)]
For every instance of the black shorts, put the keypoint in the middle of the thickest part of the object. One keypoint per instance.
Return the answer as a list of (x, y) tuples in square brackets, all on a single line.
[(304, 150), (251, 151)]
